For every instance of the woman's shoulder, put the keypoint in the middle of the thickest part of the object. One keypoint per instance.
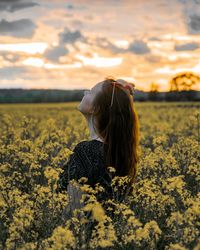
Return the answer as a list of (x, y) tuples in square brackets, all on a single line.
[(89, 146), (91, 152), (90, 142)]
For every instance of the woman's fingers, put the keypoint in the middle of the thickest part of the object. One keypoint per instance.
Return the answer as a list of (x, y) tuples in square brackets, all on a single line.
[(127, 85)]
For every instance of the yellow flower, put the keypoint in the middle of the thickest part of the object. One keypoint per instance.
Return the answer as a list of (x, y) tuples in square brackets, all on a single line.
[(111, 169), (175, 247), (105, 243), (98, 212), (62, 237), (51, 173), (83, 180)]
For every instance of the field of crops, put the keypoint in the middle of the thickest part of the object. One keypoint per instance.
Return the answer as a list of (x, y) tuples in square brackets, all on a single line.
[(162, 213)]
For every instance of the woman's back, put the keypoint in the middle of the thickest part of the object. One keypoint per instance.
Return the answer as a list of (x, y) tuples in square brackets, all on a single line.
[(87, 160)]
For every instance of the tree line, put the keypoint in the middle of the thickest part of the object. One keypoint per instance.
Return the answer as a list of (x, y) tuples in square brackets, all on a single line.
[(181, 88)]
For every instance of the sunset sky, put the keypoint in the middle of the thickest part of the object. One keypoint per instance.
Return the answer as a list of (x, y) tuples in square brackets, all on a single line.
[(61, 44)]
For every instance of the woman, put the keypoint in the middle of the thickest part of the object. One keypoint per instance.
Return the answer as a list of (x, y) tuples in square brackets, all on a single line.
[(114, 138)]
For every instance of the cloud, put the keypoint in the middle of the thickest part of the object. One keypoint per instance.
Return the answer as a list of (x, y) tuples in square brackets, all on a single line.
[(68, 36), (191, 1), (187, 46), (191, 10), (65, 37), (194, 24), (153, 58), (19, 28), (70, 6), (104, 43), (154, 38), (54, 53), (10, 57), (138, 47), (14, 5), (12, 72)]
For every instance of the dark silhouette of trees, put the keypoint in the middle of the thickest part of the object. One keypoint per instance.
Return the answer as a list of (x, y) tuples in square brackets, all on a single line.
[(153, 93), (184, 81)]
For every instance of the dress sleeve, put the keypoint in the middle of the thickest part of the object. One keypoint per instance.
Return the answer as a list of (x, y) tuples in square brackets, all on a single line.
[(73, 169)]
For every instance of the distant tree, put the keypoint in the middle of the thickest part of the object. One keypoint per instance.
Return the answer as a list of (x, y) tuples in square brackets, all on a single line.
[(154, 87), (184, 81), (153, 93)]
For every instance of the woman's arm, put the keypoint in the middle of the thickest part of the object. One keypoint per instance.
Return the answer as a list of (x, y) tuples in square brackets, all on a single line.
[(73, 169), (75, 195)]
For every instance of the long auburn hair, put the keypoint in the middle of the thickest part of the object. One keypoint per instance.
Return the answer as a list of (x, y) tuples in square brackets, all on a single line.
[(119, 127)]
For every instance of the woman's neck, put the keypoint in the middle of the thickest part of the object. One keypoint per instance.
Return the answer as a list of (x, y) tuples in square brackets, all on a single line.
[(93, 134)]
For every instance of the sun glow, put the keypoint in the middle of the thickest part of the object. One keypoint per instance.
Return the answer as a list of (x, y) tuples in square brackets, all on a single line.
[(30, 48), (100, 61), (170, 71), (62, 66), (38, 62), (127, 78), (174, 57), (122, 44), (35, 62)]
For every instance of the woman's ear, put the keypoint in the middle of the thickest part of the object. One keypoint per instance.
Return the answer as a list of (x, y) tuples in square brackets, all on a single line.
[(95, 110)]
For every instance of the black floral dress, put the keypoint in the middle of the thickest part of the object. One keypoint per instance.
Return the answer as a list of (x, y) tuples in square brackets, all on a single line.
[(87, 160)]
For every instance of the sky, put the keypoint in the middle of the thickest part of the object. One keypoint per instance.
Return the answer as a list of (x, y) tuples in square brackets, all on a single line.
[(61, 44)]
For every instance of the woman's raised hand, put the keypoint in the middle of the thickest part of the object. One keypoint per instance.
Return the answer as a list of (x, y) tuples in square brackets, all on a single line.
[(128, 85)]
